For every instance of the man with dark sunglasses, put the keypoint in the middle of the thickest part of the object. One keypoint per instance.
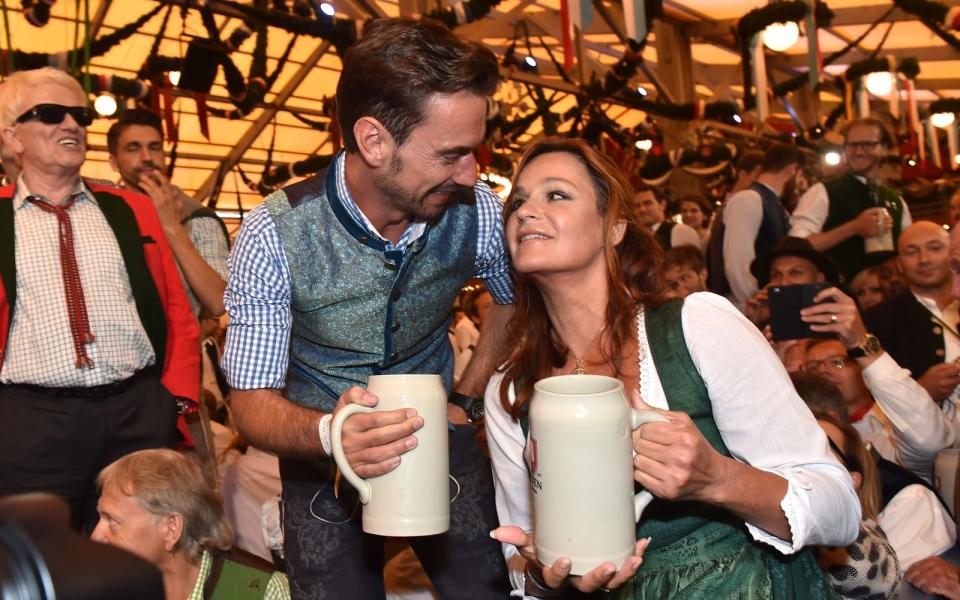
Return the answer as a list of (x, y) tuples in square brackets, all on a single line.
[(853, 218), (98, 347)]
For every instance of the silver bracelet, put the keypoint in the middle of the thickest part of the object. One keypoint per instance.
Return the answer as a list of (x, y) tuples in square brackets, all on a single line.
[(325, 434), (532, 587)]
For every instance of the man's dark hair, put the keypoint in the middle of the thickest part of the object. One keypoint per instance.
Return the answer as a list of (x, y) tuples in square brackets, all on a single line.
[(398, 64), (749, 161), (886, 138), (136, 116), (780, 156), (820, 395), (657, 194), (684, 256)]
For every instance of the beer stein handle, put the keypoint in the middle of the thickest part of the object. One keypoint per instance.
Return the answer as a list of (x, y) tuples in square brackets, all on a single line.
[(336, 437)]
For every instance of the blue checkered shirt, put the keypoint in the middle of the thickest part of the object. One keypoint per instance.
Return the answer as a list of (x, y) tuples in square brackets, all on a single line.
[(258, 288)]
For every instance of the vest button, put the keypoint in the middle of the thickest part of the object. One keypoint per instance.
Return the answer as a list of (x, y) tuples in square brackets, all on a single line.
[(937, 330), (938, 351), (395, 295), (363, 239), (395, 328), (389, 265), (394, 356)]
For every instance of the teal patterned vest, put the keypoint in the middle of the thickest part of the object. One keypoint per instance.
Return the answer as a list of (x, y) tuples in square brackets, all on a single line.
[(358, 309), (848, 198)]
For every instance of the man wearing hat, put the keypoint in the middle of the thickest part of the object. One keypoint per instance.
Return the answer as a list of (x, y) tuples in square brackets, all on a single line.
[(792, 261)]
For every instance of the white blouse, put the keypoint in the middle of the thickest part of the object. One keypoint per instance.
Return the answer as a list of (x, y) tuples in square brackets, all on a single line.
[(762, 420)]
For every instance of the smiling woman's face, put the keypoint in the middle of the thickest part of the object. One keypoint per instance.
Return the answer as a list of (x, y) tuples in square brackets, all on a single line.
[(554, 224)]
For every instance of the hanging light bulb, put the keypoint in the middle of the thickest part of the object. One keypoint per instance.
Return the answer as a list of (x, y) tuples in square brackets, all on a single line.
[(174, 77), (880, 83), (942, 120), (832, 158), (644, 145), (781, 36), (105, 105)]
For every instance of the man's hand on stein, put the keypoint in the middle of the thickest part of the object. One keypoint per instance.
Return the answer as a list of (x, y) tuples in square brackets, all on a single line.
[(374, 442)]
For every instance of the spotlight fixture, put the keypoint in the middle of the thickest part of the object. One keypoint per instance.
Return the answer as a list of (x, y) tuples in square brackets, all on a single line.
[(328, 9), (781, 36), (529, 64), (642, 91), (832, 158), (174, 77), (737, 119)]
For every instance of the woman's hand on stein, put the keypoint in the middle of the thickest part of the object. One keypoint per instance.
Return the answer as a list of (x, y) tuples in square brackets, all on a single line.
[(673, 460), (557, 575)]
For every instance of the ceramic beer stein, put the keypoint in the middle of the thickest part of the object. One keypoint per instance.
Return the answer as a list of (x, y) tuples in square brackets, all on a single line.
[(580, 457), (414, 498)]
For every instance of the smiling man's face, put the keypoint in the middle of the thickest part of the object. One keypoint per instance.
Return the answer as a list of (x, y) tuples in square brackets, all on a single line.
[(47, 148)]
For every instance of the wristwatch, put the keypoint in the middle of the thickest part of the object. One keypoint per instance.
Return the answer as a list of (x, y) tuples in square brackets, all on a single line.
[(868, 345), (470, 405)]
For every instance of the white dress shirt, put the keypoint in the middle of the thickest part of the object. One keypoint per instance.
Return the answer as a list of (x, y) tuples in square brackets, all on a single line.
[(917, 525), (41, 350), (742, 217), (762, 420), (918, 429), (814, 206), (681, 234)]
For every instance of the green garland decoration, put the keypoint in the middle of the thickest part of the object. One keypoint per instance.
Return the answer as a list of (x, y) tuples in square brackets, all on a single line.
[(759, 19), (932, 14), (944, 105), (908, 67)]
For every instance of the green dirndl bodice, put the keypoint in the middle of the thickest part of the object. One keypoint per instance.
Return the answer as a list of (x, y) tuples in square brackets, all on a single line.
[(698, 550)]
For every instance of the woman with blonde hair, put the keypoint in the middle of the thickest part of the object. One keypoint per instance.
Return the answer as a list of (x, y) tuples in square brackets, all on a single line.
[(742, 474), (158, 505)]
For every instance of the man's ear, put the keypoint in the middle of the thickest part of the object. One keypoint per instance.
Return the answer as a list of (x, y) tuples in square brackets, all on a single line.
[(113, 163), (11, 139), (619, 231), (171, 528), (374, 143)]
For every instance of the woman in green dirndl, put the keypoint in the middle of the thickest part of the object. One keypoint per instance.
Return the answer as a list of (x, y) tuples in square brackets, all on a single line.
[(742, 475)]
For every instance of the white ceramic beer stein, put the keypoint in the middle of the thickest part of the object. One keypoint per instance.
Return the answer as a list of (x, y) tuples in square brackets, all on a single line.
[(414, 498), (580, 455)]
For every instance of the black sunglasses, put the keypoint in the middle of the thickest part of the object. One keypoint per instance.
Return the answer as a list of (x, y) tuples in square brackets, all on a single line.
[(54, 114)]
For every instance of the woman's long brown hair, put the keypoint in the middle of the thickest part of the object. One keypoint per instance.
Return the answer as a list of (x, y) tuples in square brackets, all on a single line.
[(856, 457), (633, 267)]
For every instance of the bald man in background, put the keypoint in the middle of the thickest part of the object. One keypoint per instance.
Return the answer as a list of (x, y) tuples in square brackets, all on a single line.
[(919, 327)]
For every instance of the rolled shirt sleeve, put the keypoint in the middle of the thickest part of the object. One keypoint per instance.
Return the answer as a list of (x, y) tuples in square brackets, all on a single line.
[(257, 300), (764, 423), (492, 262), (921, 429)]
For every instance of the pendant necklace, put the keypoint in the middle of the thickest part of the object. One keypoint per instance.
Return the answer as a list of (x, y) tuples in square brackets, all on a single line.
[(578, 369)]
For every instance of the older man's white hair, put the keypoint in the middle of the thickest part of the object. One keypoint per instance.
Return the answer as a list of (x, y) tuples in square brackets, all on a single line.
[(14, 89)]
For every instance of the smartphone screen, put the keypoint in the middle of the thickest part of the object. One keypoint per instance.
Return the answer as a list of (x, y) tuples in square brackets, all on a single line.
[(786, 301)]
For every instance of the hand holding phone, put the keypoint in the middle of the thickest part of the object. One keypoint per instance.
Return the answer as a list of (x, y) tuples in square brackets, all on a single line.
[(786, 302)]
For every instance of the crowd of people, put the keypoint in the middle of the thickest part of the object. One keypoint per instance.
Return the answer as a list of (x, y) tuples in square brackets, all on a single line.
[(799, 466)]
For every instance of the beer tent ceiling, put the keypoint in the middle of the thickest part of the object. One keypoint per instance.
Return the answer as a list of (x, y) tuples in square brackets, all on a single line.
[(311, 72)]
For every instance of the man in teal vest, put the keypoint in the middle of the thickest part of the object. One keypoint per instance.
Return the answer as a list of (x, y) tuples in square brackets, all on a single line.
[(352, 273), (842, 215)]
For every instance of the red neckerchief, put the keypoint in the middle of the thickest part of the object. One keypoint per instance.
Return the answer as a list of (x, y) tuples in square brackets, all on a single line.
[(860, 414)]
